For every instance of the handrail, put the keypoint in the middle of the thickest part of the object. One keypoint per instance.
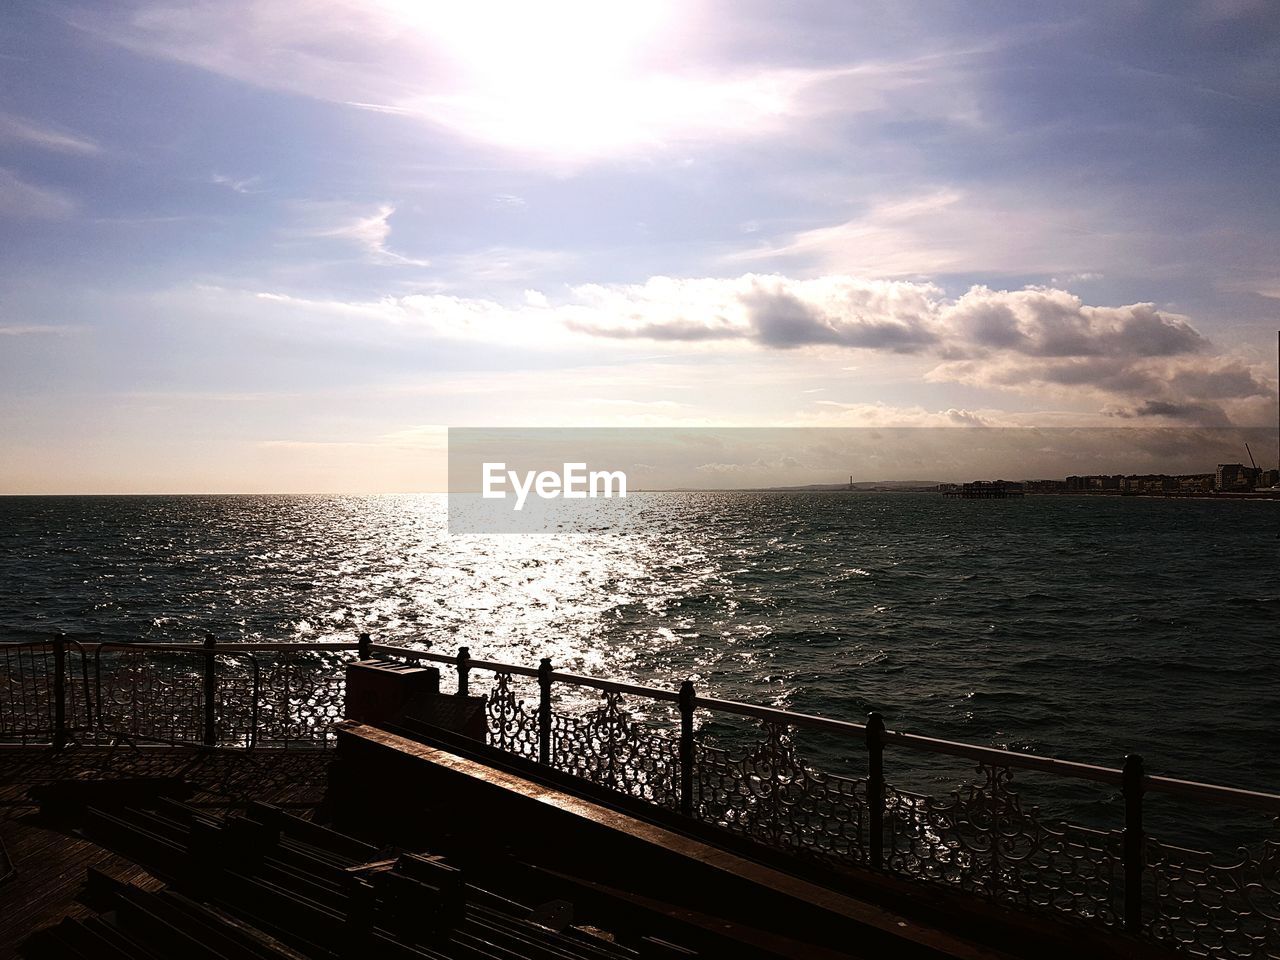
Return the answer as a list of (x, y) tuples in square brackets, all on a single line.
[(992, 755), (1212, 791), (229, 645), (410, 653), (776, 714), (768, 794), (616, 686), (1008, 758), (860, 819), (499, 667)]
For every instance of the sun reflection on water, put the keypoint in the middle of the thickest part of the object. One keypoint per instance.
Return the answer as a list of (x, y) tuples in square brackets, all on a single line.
[(952, 618)]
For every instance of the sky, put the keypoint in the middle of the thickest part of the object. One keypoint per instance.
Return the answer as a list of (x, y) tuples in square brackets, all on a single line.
[(283, 245)]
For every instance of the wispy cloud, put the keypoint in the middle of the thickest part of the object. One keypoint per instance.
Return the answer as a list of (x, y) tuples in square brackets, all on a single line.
[(18, 129), (31, 329), (504, 265), (369, 231), (22, 200), (236, 185), (951, 230), (655, 82)]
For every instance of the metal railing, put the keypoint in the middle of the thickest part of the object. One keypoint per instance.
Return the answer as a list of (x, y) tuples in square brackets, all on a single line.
[(210, 694), (841, 793), (44, 691), (681, 751)]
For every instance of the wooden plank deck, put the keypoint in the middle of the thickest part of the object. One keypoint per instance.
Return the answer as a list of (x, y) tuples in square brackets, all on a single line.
[(50, 860)]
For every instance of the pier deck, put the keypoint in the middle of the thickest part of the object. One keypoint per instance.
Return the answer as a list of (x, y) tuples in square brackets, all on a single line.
[(51, 858)]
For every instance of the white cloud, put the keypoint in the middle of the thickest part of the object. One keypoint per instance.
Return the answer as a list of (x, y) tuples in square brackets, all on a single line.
[(832, 413), (436, 315), (25, 131), (370, 231), (241, 185), (23, 200), (1131, 362), (949, 230), (510, 73), (501, 265), (771, 311), (30, 329)]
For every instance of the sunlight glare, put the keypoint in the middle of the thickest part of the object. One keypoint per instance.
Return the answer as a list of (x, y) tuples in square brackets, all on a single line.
[(571, 77)]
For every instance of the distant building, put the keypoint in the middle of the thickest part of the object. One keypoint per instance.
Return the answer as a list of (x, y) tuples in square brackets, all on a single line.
[(1196, 482), (1044, 486), (1098, 483), (1147, 484), (1236, 476)]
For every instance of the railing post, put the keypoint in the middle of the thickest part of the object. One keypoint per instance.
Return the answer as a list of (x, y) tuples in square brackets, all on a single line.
[(210, 737), (59, 692), (464, 671), (1133, 786), (875, 787), (687, 697), (544, 711), (366, 647)]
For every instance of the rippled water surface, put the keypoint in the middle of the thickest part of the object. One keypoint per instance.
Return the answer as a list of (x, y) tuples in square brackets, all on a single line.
[(1079, 627)]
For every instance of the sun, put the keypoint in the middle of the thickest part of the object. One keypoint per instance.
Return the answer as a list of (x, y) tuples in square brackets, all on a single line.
[(570, 77)]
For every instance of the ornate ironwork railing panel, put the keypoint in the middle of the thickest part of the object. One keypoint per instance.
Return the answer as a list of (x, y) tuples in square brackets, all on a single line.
[(301, 695), (768, 793), (982, 840), (1216, 909), (610, 748), (512, 720), (150, 695), (237, 700), (175, 695), (28, 694)]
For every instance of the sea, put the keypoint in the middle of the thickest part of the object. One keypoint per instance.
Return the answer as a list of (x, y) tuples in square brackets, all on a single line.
[(1084, 628)]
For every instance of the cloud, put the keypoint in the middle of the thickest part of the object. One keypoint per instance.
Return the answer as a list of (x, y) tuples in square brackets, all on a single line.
[(770, 311), (949, 230), (502, 265), (1044, 322), (30, 329), (245, 185), (834, 413), (1135, 360), (25, 131), (1045, 339), (510, 73), (465, 319), (1128, 361), (369, 231), (1198, 412), (23, 200), (423, 437)]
